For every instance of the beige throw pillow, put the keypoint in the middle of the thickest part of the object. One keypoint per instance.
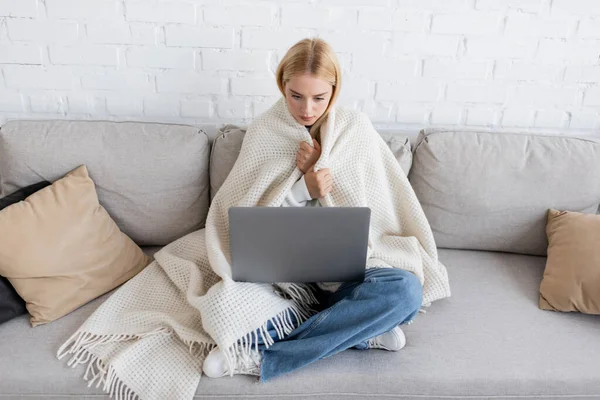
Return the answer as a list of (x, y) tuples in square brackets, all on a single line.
[(572, 276), (60, 249)]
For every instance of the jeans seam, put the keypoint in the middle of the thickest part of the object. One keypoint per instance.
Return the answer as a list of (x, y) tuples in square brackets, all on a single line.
[(316, 322), (325, 314)]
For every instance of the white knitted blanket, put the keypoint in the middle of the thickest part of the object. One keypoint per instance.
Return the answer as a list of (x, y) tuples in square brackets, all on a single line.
[(149, 339)]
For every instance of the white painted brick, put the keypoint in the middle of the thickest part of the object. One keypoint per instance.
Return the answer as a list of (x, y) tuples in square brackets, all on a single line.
[(184, 36), (11, 102), (450, 69), (121, 33), (592, 97), (589, 28), (446, 115), (77, 9), (281, 38), (577, 73), (240, 15), (118, 80), (361, 3), (232, 108), (371, 43), (48, 103), (424, 44), (353, 104), (379, 112), (254, 86), (259, 107), (435, 5), (542, 96), (528, 25), (82, 103), (108, 33), (584, 51), (162, 106), (405, 62), (528, 6), (196, 108), (344, 59), (549, 119), (378, 18), (235, 60), (479, 23), (309, 16), (356, 89), (410, 20), (585, 119), (519, 70), (18, 8), (423, 92), (390, 69), (189, 82), (149, 57), (20, 54), (500, 47), (582, 7), (30, 77), (519, 117), (480, 116), (413, 113), (552, 50), (89, 55), (143, 34), (476, 93), (123, 104), (573, 52), (42, 31), (160, 11)]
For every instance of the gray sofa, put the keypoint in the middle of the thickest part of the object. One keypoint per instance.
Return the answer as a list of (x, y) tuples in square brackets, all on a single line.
[(485, 195)]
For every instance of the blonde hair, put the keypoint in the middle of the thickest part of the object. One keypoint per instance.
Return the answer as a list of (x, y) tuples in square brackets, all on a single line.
[(316, 57)]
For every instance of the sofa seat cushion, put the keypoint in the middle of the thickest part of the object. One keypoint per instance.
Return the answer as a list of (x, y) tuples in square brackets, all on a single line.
[(489, 339)]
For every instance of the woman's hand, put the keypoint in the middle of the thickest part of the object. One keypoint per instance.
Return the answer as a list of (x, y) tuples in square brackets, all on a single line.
[(307, 156), (318, 183)]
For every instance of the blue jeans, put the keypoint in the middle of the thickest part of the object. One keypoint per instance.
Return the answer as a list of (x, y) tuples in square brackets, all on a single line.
[(355, 313)]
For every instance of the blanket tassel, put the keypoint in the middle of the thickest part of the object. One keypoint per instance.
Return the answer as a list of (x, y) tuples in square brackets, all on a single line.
[(100, 374), (282, 323)]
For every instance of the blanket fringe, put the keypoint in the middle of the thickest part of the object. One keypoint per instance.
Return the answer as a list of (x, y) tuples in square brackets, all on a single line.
[(424, 307), (97, 372), (283, 325), (303, 296), (82, 340)]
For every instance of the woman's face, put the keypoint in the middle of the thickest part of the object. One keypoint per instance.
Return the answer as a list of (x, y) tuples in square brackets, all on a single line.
[(307, 97)]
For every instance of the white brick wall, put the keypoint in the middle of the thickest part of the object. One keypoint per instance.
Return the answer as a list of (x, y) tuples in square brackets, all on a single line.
[(516, 64)]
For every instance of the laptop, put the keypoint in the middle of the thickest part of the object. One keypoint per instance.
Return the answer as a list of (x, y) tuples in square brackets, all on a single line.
[(299, 244)]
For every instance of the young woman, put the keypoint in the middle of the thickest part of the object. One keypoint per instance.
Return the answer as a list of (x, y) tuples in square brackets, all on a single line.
[(359, 315)]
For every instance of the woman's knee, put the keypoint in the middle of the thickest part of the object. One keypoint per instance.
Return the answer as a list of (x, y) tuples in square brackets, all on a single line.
[(408, 293)]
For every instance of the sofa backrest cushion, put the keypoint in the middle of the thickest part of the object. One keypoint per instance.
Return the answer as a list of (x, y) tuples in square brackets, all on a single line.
[(226, 148), (151, 178), (492, 191)]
